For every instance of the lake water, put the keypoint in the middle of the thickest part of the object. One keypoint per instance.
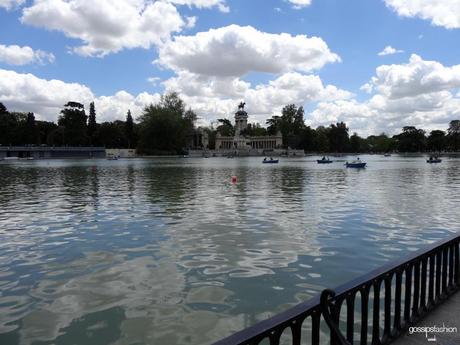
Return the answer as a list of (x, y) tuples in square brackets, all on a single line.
[(169, 251)]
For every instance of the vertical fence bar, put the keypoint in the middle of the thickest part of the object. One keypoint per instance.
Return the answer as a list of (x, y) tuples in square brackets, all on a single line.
[(275, 338), (431, 281), (364, 313), (351, 316), (457, 263), (415, 304), (397, 320), (438, 275), (315, 324), (451, 266), (376, 314), (407, 295), (444, 270), (336, 318), (423, 286), (387, 309), (296, 329)]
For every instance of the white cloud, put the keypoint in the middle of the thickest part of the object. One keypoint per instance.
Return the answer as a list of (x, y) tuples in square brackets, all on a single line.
[(115, 107), (421, 93), (359, 117), (234, 51), (11, 4), (416, 77), (445, 13), (107, 26), (389, 50), (220, 4), (16, 55), (26, 92), (298, 4), (216, 97), (153, 80)]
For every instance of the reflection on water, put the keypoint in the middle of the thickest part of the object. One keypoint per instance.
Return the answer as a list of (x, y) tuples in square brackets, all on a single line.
[(168, 251)]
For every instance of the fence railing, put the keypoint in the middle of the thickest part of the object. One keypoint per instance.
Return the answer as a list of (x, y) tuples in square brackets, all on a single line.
[(380, 305)]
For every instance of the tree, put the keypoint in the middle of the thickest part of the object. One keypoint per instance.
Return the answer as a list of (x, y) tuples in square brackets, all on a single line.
[(308, 139), (129, 130), (321, 139), (356, 143), (411, 140), (30, 130), (273, 125), (112, 134), (290, 124), (92, 125), (454, 135), (436, 141), (45, 130), (225, 128), (3, 109), (163, 126), (254, 130), (73, 122), (12, 127), (338, 137), (380, 143)]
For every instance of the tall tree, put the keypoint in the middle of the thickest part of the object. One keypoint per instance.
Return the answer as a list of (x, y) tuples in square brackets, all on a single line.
[(92, 124), (112, 134), (225, 128), (321, 139), (163, 126), (411, 139), (381, 143), (454, 135), (356, 143), (290, 124), (436, 141), (31, 130), (73, 122), (129, 130), (3, 109), (338, 137)]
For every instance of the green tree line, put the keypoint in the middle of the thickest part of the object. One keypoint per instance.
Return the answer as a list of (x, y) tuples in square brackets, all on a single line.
[(164, 128)]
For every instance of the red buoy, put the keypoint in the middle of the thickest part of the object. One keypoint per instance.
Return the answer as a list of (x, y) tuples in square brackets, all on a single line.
[(234, 179)]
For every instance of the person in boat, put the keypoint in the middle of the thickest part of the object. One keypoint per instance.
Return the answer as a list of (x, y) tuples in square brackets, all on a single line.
[(431, 158), (358, 159), (271, 158), (265, 159), (324, 158)]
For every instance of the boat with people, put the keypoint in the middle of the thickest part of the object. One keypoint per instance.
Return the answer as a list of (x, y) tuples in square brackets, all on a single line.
[(434, 159), (387, 155), (112, 157), (270, 160), (324, 160), (356, 164)]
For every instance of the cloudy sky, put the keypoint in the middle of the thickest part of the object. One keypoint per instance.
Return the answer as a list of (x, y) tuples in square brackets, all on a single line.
[(378, 65)]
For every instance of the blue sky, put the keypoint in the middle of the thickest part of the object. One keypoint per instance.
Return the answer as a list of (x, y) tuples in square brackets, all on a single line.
[(321, 54)]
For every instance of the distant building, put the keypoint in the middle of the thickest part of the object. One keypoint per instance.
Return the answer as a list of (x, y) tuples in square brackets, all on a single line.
[(242, 143), (198, 140), (121, 153)]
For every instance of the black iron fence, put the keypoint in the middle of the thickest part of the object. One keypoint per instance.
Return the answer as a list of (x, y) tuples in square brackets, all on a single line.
[(379, 305)]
